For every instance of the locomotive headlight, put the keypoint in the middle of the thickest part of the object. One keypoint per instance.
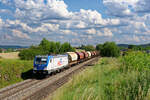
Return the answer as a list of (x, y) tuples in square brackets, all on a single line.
[(45, 68), (34, 68)]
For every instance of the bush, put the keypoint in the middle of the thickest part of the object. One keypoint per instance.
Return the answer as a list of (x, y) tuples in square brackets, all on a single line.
[(110, 49), (29, 54)]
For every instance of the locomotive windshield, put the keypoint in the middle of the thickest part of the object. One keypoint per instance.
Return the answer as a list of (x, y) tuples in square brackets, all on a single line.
[(41, 60)]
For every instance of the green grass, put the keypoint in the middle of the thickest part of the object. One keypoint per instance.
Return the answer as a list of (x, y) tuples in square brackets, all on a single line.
[(124, 78), (11, 71)]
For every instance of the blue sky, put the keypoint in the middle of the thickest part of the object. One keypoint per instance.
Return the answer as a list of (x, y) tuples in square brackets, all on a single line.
[(76, 5), (26, 22)]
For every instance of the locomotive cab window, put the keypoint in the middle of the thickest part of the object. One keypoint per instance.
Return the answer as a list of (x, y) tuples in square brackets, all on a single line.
[(41, 60), (51, 61)]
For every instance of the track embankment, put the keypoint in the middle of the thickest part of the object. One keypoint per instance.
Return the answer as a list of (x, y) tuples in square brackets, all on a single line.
[(38, 89)]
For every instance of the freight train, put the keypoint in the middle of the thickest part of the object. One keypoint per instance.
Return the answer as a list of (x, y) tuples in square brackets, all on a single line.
[(51, 63)]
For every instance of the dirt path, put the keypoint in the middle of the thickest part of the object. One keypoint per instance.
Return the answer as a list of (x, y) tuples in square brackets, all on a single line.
[(12, 55)]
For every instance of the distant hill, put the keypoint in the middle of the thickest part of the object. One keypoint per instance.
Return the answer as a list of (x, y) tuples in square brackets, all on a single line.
[(144, 45), (126, 45), (12, 47), (123, 45)]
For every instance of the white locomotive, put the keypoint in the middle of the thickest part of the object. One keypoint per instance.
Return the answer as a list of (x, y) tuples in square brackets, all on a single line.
[(48, 64)]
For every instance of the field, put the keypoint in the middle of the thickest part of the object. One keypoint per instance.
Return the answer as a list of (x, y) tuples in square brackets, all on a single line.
[(124, 78), (79, 50), (13, 71), (12, 55)]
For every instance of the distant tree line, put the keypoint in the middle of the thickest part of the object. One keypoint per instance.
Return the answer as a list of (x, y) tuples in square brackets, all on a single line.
[(138, 47), (87, 47), (44, 48), (0, 50), (7, 50), (108, 49)]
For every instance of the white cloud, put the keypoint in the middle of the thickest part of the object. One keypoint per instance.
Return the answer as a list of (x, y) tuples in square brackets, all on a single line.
[(46, 28), (92, 16), (107, 32), (38, 10), (127, 7), (81, 24), (1, 23), (112, 22), (85, 19), (67, 32), (136, 38), (91, 31), (7, 37), (19, 34), (131, 2), (143, 6), (5, 1), (119, 8)]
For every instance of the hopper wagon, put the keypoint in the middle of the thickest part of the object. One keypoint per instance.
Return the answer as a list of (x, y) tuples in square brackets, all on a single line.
[(80, 56), (72, 57)]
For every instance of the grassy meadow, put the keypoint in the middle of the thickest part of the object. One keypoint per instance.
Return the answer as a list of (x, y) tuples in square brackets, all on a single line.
[(13, 71), (123, 78)]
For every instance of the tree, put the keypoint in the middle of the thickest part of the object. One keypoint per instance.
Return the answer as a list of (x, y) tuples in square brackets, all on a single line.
[(30, 53), (147, 48), (58, 47), (110, 49), (44, 48), (131, 46), (66, 47), (52, 48), (45, 45), (99, 47), (88, 47)]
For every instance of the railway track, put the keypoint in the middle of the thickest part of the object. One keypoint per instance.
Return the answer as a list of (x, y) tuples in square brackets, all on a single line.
[(33, 89)]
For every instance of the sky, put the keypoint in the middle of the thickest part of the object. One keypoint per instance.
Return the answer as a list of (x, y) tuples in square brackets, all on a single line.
[(27, 22)]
